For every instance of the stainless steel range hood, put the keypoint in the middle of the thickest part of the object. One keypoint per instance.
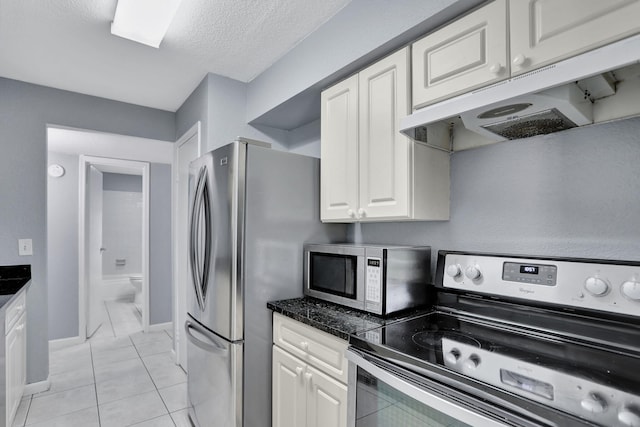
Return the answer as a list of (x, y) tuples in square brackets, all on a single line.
[(505, 97)]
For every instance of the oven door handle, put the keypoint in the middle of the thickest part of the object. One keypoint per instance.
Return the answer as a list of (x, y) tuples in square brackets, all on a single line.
[(423, 396)]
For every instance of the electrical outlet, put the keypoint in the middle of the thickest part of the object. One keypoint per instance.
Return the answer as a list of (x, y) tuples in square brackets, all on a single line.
[(25, 247)]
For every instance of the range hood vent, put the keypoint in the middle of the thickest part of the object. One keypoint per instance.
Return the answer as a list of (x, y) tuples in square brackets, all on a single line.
[(553, 110), (542, 101)]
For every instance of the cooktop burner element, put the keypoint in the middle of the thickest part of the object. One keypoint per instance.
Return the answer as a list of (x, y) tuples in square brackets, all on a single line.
[(433, 339), (540, 329)]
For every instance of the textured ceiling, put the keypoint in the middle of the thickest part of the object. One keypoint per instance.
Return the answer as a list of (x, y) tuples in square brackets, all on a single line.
[(67, 44)]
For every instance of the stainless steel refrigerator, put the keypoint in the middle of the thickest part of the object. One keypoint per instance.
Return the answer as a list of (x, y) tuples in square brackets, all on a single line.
[(251, 210)]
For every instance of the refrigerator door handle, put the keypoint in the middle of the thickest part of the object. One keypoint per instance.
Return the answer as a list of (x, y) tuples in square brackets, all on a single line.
[(213, 343), (194, 252)]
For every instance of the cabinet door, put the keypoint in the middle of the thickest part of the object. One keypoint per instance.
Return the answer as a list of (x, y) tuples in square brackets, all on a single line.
[(466, 54), (14, 367), (546, 31), (339, 151), (326, 401), (384, 152), (289, 407)]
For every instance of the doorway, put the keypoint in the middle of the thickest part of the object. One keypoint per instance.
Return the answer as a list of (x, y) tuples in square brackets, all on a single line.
[(113, 246), (187, 149)]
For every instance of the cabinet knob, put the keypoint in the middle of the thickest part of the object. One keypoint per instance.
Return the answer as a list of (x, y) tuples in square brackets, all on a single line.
[(308, 377), (519, 60), (299, 371), (361, 213), (351, 213), (304, 345), (496, 68)]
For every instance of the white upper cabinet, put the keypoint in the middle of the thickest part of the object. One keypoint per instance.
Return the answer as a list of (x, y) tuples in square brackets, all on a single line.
[(547, 31), (369, 170), (468, 53), (384, 151), (339, 150)]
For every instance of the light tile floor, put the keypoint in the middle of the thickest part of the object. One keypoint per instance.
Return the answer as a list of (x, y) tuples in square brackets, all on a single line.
[(120, 377)]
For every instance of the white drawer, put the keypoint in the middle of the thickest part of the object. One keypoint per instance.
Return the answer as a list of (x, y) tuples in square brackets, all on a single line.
[(14, 310), (316, 347)]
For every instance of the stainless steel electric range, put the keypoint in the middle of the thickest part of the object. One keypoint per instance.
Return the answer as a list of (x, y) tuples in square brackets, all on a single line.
[(512, 341)]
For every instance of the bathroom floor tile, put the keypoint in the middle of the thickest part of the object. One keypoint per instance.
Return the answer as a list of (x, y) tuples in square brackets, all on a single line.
[(175, 397), (69, 380), (47, 407), (162, 344), (105, 357), (181, 418), (163, 421), (83, 418), (111, 380), (132, 410), (164, 372)]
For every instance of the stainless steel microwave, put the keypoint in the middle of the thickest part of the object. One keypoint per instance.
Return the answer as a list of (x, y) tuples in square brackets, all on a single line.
[(378, 279)]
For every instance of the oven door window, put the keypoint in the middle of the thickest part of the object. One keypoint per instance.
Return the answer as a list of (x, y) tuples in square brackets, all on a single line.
[(378, 404), (333, 274)]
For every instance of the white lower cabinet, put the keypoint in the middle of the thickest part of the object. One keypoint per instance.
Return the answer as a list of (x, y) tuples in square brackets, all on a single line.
[(15, 356), (304, 395)]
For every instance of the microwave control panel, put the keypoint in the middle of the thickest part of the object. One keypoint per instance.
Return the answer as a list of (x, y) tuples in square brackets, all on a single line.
[(374, 280)]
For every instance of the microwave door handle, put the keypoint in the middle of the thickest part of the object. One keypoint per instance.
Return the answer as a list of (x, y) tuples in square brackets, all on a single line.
[(212, 344)]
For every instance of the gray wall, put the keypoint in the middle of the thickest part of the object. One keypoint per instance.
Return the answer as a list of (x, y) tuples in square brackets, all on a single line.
[(121, 182), (62, 273), (219, 103), (160, 257), (25, 111), (287, 95), (574, 193), (62, 248)]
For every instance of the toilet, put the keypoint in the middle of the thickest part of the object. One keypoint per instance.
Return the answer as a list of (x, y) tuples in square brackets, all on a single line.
[(136, 281)]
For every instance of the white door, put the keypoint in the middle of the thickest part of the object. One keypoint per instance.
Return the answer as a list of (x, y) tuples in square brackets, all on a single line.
[(326, 401), (339, 151), (466, 54), (546, 31), (186, 152), (94, 247), (289, 393), (385, 172)]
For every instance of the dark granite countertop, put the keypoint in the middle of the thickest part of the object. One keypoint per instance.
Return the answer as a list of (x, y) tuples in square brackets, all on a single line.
[(13, 279), (332, 318)]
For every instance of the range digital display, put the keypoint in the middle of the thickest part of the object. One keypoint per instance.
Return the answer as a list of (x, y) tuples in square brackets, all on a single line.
[(529, 269), (373, 262)]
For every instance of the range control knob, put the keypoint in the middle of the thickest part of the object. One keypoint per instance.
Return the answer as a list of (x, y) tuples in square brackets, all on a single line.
[(452, 356), (454, 270), (472, 362), (473, 272), (629, 416), (594, 403), (596, 286), (631, 289)]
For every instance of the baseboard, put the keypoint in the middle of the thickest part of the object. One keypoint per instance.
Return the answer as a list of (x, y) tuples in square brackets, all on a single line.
[(39, 387), (160, 326), (65, 342)]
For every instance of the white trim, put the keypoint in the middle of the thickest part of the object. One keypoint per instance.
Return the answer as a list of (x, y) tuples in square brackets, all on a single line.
[(195, 130), (39, 387), (65, 342), (117, 165), (157, 327)]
